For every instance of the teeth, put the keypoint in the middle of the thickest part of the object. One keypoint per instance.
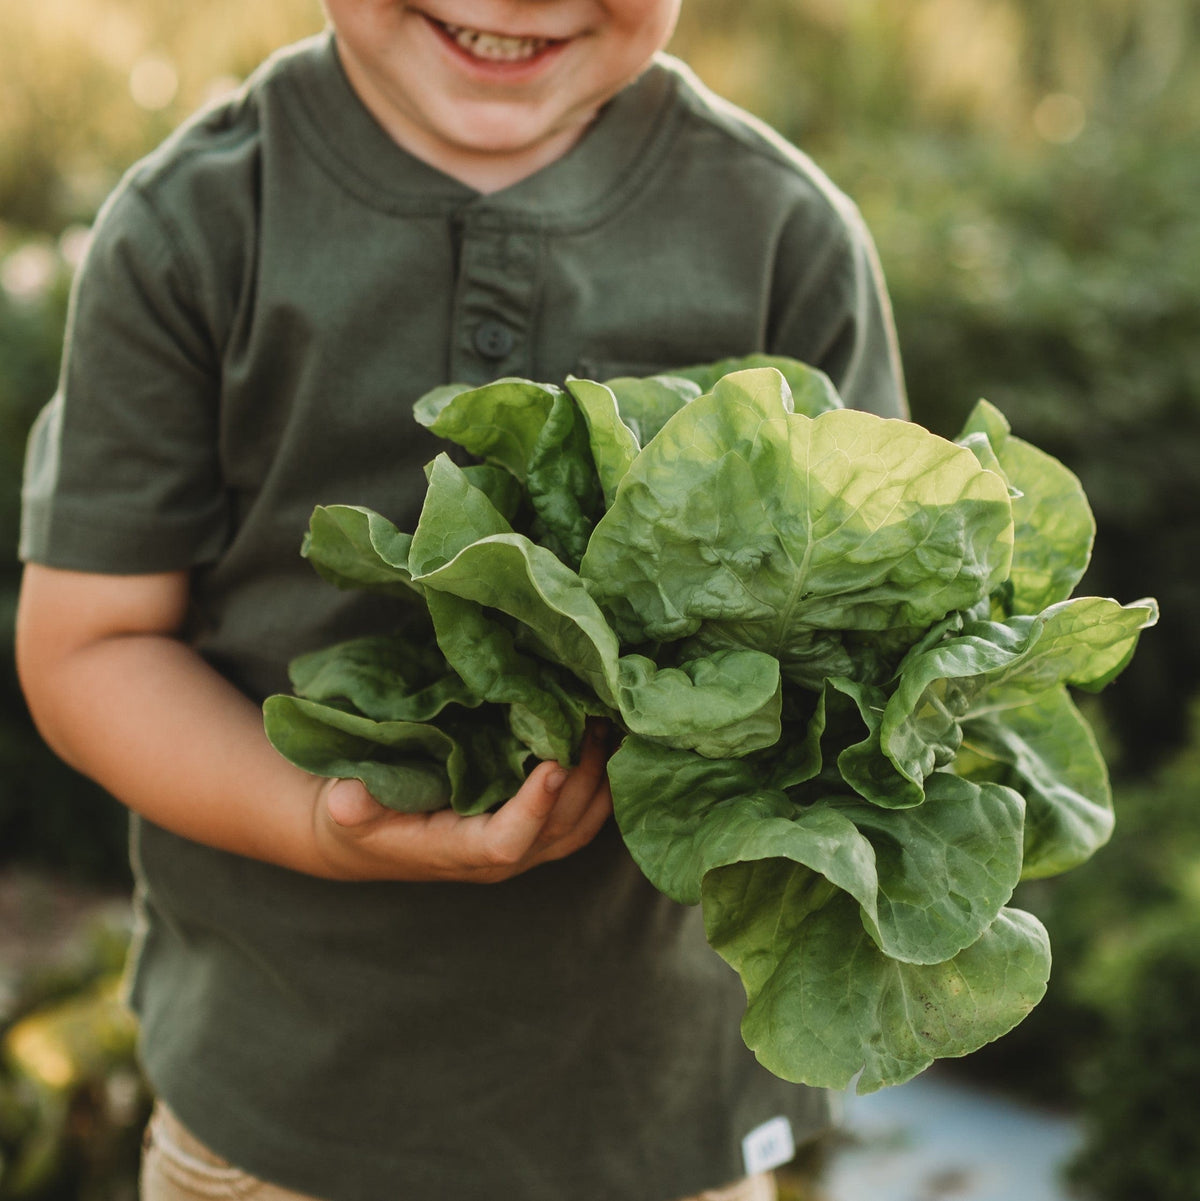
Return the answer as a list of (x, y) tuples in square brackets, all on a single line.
[(496, 47)]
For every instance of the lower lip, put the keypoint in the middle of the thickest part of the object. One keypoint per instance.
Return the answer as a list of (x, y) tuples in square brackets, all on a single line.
[(508, 71)]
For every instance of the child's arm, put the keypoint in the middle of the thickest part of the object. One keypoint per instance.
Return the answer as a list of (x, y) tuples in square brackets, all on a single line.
[(119, 697)]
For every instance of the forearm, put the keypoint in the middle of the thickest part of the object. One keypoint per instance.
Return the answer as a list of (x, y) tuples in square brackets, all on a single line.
[(116, 693), (155, 725)]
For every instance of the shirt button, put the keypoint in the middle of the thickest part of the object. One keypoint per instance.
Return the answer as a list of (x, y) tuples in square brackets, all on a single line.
[(493, 339)]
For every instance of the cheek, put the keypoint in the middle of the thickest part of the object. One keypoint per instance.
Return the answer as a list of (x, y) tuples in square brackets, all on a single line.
[(640, 30), (365, 22), (656, 19)]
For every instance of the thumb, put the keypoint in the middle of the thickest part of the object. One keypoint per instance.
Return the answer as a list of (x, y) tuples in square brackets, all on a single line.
[(350, 804)]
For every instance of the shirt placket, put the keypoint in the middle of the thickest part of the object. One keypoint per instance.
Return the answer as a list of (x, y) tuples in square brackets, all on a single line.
[(495, 303)]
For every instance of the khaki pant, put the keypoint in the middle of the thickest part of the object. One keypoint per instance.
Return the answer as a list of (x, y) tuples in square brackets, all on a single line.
[(178, 1167)]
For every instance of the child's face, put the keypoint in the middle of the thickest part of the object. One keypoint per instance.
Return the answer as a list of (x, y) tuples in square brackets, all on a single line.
[(491, 90)]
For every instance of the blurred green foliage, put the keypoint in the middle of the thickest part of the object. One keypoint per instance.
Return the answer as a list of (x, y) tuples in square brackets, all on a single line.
[(1029, 170), (1140, 1096), (72, 1100)]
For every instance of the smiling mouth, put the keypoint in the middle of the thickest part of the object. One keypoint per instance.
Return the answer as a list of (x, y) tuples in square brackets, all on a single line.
[(495, 47)]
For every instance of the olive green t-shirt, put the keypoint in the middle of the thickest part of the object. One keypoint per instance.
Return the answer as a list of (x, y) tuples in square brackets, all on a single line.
[(263, 300)]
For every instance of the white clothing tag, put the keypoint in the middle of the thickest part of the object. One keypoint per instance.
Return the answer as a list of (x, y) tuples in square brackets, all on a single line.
[(768, 1146)]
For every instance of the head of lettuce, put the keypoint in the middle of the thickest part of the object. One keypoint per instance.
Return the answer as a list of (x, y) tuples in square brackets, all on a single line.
[(841, 651)]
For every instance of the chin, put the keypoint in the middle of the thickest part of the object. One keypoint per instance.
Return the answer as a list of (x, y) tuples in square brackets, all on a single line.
[(484, 143)]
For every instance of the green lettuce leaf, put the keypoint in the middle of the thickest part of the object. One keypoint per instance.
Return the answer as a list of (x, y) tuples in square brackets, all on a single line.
[(1055, 528), (463, 548), (682, 814), (945, 869), (989, 667), (413, 767), (726, 704), (545, 712), (928, 881), (613, 444), (396, 678), (781, 533), (883, 779), (530, 584), (1048, 752), (622, 415), (646, 405), (537, 433), (811, 391), (499, 422), (564, 488), (824, 1004), (353, 547)]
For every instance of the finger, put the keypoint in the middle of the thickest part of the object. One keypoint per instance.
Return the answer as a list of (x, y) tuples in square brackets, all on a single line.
[(349, 804), (590, 823), (580, 786), (507, 835)]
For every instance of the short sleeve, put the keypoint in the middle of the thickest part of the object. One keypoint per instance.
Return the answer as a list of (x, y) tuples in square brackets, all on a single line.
[(834, 311), (122, 467)]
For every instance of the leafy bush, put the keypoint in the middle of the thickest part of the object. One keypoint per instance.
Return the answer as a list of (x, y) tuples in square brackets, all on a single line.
[(72, 1099), (1140, 1093)]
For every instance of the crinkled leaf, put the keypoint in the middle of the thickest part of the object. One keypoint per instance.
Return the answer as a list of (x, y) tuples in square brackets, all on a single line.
[(498, 485), (646, 405), (863, 764), (824, 1003), (992, 666), (1047, 751), (562, 483), (1082, 642), (1053, 520), (681, 815), (547, 717), (510, 573), (945, 868), (353, 547), (413, 767), (481, 649), (779, 532), (499, 422), (1085, 642), (388, 678), (928, 880), (613, 444), (797, 757), (455, 514), (722, 706), (463, 546), (399, 762), (812, 391)]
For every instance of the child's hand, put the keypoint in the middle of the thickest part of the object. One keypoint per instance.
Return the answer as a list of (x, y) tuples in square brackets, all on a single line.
[(554, 813)]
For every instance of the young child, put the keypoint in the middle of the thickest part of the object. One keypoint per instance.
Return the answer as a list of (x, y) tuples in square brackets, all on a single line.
[(334, 998)]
